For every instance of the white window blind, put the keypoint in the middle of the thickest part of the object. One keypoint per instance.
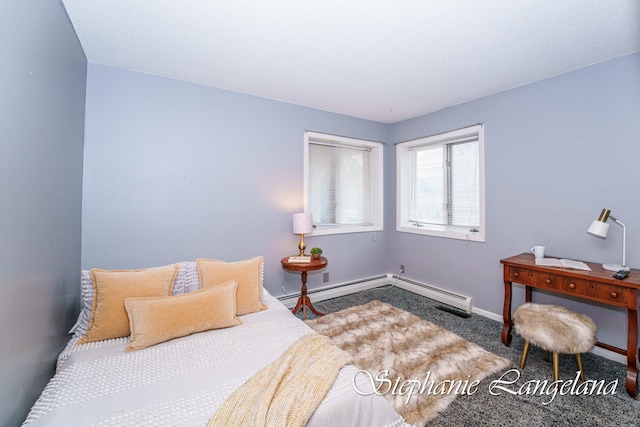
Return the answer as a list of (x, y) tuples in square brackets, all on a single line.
[(446, 184), (440, 184), (340, 187), (343, 183), (464, 187)]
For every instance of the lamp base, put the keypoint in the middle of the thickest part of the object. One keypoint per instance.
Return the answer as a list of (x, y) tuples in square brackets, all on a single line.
[(301, 245), (615, 267)]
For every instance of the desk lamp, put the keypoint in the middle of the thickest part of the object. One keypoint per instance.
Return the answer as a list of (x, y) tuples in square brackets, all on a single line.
[(600, 228)]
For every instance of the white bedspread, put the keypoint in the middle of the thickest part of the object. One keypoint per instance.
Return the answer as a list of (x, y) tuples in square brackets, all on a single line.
[(182, 382)]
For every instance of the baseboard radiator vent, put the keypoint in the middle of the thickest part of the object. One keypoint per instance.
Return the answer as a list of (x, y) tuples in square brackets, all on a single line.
[(453, 311), (453, 299), (337, 290)]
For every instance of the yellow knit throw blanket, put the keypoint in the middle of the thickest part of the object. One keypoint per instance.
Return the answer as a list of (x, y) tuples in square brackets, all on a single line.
[(288, 391)]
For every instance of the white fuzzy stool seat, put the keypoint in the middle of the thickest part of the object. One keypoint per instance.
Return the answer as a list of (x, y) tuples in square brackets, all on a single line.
[(554, 329)]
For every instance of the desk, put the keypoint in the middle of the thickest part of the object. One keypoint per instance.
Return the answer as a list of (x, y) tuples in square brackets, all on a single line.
[(596, 285), (304, 301)]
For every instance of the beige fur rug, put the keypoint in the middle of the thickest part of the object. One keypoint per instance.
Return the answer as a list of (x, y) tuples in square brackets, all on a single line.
[(381, 337)]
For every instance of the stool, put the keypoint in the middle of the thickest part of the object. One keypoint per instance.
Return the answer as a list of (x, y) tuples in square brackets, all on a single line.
[(554, 329)]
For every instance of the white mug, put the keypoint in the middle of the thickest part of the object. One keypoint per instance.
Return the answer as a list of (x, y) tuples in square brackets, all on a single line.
[(538, 251)]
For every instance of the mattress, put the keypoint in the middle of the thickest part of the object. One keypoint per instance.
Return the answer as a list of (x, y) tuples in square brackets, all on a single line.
[(183, 381)]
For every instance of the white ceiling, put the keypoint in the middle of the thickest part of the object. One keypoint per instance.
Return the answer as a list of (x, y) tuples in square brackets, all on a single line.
[(383, 60)]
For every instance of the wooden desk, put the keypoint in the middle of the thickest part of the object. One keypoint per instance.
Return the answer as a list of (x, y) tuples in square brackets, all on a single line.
[(596, 285), (303, 300)]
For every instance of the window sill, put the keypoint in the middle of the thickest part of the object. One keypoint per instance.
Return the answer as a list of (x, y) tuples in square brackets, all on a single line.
[(443, 232), (326, 231)]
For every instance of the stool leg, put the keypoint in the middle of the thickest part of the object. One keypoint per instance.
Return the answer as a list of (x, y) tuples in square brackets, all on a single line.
[(525, 352), (579, 363), (546, 355), (556, 366)]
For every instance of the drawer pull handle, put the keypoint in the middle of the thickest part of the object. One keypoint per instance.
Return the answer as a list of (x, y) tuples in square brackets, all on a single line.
[(547, 281), (516, 274), (572, 285), (613, 294)]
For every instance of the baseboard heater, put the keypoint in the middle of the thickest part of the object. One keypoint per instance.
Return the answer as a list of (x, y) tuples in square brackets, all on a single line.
[(337, 290), (453, 299), (444, 296)]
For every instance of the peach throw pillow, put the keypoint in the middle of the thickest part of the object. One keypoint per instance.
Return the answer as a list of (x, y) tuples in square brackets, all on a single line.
[(158, 319), (111, 287), (248, 273)]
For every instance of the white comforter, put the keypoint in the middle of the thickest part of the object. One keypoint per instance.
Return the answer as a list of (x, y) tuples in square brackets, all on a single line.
[(182, 382)]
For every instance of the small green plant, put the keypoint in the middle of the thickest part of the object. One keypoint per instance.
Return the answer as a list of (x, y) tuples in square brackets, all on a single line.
[(316, 251)]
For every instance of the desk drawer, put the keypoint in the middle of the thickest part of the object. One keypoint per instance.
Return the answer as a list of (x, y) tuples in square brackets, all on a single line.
[(600, 291), (519, 275), (547, 280), (532, 278)]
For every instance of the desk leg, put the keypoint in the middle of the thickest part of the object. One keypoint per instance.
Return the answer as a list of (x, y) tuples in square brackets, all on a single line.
[(506, 314), (527, 293), (632, 346)]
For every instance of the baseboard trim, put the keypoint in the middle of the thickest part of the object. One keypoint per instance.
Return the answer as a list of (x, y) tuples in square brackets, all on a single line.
[(611, 355), (490, 315), (346, 288)]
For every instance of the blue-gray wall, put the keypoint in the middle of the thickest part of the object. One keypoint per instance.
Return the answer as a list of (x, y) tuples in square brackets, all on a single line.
[(556, 153), (42, 83), (176, 171), (165, 180)]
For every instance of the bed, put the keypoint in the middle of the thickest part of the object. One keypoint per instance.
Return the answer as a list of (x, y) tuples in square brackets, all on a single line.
[(182, 381)]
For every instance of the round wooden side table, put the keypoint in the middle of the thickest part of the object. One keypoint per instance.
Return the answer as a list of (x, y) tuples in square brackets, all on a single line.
[(303, 300)]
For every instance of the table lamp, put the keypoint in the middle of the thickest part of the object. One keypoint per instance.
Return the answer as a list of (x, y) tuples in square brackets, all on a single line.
[(600, 228), (302, 224)]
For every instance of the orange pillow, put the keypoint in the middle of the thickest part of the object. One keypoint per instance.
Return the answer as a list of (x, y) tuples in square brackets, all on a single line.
[(153, 320), (248, 273), (110, 288)]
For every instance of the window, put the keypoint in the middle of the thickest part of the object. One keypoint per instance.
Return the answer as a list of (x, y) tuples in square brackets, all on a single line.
[(343, 183), (441, 185)]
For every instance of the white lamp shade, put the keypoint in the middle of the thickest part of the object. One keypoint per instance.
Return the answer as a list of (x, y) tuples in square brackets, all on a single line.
[(599, 229), (302, 223)]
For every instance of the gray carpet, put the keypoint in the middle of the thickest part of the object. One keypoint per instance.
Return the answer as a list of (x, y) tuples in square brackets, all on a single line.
[(483, 408)]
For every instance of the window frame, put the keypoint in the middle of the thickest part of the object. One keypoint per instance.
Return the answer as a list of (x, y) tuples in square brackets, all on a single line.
[(376, 181), (404, 185)]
